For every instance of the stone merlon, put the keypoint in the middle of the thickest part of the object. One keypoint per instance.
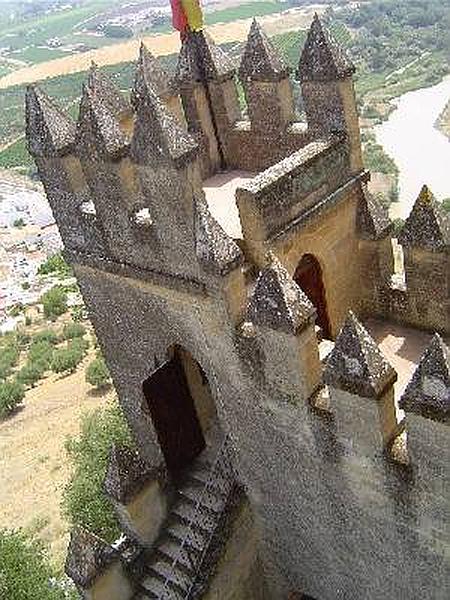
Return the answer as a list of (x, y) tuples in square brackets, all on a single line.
[(149, 68), (103, 88), (216, 251), (278, 302), (356, 364), (260, 60), (157, 134), (323, 59), (49, 131), (126, 474), (428, 392), (428, 226), (200, 60), (97, 119), (87, 556), (372, 218)]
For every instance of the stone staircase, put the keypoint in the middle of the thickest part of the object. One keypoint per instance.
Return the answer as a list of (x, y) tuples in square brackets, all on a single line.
[(176, 560)]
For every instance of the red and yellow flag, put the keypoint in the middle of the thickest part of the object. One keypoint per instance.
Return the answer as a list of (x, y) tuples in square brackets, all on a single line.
[(187, 14)]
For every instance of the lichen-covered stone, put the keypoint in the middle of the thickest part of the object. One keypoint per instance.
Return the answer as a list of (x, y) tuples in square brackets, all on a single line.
[(157, 133), (216, 251), (87, 557), (96, 118), (49, 131), (150, 69), (200, 60), (278, 302), (356, 364), (260, 60), (105, 89), (323, 59), (126, 474), (428, 392), (372, 218), (428, 226)]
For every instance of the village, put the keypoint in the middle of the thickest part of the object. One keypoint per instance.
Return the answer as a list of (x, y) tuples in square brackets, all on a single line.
[(28, 237)]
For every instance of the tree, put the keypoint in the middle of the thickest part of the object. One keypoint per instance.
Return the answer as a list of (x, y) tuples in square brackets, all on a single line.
[(54, 302), (25, 571), (97, 373), (84, 501), (11, 394)]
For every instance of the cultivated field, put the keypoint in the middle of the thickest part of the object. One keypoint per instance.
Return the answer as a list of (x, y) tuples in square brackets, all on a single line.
[(163, 44)]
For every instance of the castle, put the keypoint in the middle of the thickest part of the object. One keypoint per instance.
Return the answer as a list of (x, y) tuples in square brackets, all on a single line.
[(266, 468)]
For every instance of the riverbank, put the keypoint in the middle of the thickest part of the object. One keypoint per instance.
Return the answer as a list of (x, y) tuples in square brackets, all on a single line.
[(420, 151)]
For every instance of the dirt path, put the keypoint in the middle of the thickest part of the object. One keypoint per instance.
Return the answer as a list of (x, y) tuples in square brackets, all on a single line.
[(33, 462), (289, 20)]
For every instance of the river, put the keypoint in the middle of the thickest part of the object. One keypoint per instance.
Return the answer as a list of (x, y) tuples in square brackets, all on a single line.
[(421, 152)]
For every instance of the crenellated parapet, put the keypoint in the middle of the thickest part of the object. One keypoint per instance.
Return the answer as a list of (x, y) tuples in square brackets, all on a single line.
[(118, 163), (423, 300), (282, 196), (51, 137)]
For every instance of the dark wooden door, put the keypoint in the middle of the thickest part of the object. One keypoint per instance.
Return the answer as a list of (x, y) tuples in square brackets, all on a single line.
[(308, 276), (174, 415)]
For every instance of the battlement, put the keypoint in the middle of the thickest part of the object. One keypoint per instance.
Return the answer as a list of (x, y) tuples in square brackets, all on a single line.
[(240, 314)]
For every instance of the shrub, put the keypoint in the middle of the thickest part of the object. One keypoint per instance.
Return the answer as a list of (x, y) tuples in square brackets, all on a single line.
[(398, 225), (9, 355), (54, 302), (41, 352), (11, 394), (97, 373), (46, 335), (31, 373), (66, 360), (446, 204), (55, 265), (79, 313), (73, 330), (25, 571), (84, 502), (79, 344), (19, 223)]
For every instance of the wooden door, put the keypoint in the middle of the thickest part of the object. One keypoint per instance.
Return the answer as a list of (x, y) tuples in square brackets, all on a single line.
[(308, 276), (174, 415)]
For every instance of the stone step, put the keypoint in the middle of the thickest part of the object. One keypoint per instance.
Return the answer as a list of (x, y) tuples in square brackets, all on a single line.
[(153, 587), (200, 518), (178, 530), (177, 577), (170, 549), (211, 499), (218, 482)]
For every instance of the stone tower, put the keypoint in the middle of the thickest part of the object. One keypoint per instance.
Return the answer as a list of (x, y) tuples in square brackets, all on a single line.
[(262, 469)]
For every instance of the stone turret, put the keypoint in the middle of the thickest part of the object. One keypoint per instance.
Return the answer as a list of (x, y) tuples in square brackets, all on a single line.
[(206, 78), (425, 238), (51, 136), (285, 319), (325, 73), (266, 82), (357, 372)]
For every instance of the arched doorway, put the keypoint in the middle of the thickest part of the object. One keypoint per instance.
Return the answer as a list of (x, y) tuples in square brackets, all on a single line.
[(308, 275), (182, 408)]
